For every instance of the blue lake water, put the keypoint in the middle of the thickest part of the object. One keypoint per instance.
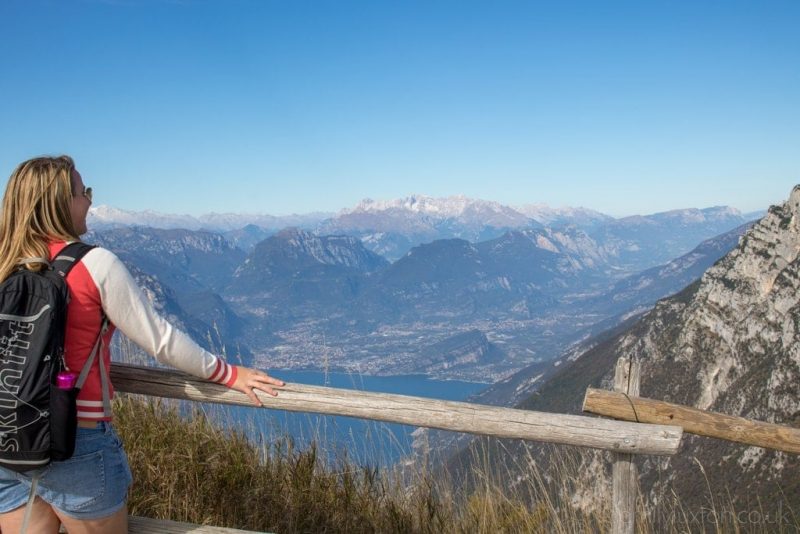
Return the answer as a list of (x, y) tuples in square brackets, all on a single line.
[(366, 442)]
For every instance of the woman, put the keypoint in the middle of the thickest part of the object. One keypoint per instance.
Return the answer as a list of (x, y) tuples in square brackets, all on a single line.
[(44, 208)]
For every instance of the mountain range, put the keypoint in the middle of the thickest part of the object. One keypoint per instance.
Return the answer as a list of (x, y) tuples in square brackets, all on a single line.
[(624, 301), (105, 217), (298, 298), (392, 228)]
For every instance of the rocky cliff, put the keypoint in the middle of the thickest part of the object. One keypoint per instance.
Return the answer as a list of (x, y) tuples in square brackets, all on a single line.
[(732, 346), (729, 343)]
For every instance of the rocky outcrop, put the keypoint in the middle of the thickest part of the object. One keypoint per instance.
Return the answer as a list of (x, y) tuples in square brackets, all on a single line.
[(733, 346), (729, 343)]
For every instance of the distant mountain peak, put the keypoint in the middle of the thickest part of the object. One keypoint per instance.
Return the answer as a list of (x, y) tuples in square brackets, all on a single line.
[(544, 214), (443, 207)]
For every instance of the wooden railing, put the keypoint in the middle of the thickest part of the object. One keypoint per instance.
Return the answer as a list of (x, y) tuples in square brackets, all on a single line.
[(617, 436), (700, 422), (655, 430), (623, 438)]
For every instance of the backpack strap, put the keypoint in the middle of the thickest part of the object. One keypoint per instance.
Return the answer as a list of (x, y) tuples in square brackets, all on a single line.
[(105, 383), (64, 261), (68, 256)]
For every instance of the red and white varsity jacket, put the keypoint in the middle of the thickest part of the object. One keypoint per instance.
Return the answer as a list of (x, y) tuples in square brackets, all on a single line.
[(99, 283)]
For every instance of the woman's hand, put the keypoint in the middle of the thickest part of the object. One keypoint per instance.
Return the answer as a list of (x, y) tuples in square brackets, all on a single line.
[(248, 380)]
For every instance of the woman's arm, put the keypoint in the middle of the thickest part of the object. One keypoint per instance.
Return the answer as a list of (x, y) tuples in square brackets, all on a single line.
[(132, 313)]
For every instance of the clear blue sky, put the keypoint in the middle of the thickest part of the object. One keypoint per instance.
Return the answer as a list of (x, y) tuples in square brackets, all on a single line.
[(294, 106)]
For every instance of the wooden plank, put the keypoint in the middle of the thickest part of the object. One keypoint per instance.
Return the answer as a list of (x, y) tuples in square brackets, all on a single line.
[(146, 525), (625, 476), (458, 416), (696, 421)]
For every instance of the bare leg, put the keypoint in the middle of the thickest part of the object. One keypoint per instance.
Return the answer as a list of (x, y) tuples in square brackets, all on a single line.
[(113, 524), (43, 519)]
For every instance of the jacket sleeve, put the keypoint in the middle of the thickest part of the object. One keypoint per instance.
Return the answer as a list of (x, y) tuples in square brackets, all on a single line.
[(132, 313)]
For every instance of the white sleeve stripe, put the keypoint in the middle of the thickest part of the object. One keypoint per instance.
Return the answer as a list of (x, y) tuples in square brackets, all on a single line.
[(219, 376), (91, 415), (86, 404), (228, 373), (218, 371)]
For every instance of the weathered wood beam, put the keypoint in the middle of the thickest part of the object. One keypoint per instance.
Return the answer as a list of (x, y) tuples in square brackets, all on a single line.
[(693, 420), (447, 415), (624, 474)]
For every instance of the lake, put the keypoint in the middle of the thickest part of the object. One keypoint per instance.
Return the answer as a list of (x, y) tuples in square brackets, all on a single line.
[(365, 442)]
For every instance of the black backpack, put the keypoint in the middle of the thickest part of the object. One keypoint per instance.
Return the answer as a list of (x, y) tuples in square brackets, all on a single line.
[(38, 420)]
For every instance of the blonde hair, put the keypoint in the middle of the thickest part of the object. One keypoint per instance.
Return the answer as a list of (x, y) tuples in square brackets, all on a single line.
[(36, 210)]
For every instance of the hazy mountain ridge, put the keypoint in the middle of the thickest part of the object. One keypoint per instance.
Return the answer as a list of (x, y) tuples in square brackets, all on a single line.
[(578, 252), (565, 216), (247, 237), (392, 227), (106, 217), (640, 242), (645, 288), (185, 258), (632, 243), (293, 249)]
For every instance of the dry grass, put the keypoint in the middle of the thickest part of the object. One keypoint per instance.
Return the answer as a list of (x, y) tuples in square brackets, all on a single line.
[(188, 469)]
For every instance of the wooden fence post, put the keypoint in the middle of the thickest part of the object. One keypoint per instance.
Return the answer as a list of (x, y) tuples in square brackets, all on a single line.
[(624, 472)]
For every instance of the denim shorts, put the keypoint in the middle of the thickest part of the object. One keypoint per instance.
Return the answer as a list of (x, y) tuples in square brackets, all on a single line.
[(90, 485)]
